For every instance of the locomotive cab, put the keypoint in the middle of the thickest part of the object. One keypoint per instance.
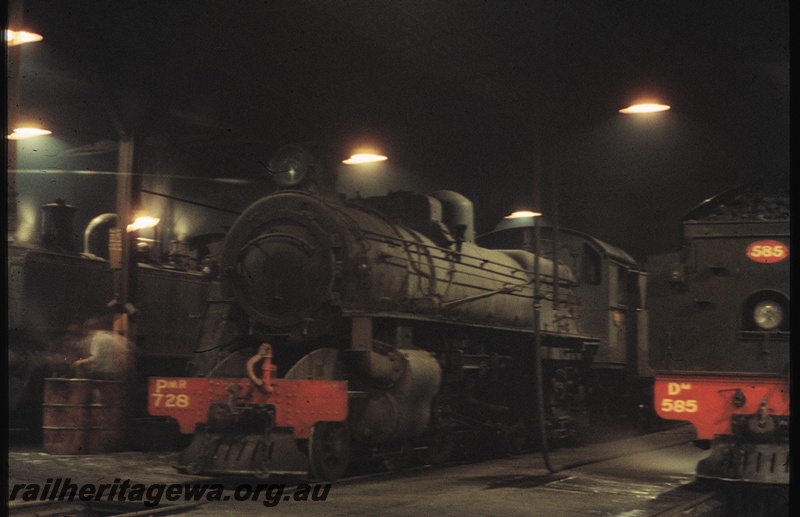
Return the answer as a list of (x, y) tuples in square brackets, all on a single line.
[(610, 294)]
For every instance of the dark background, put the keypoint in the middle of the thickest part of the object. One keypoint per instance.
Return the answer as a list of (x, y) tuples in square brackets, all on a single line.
[(465, 95)]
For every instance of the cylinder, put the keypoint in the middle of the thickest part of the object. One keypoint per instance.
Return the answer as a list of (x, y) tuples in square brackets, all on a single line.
[(402, 411)]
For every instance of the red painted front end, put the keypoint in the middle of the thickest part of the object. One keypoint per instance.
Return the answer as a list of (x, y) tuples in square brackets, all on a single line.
[(710, 401), (299, 404)]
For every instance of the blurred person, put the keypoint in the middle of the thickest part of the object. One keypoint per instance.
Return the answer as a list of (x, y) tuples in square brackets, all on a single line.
[(110, 356)]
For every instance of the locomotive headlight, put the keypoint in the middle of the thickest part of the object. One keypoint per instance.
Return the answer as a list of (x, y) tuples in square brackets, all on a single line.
[(768, 315)]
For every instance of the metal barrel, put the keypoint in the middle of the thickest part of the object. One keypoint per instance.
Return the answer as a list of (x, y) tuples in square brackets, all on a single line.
[(107, 417), (64, 415), (84, 416)]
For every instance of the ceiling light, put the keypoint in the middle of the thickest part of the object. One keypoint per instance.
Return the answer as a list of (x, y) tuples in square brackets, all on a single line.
[(364, 158), (27, 132), (522, 213), (644, 108), (20, 37), (143, 222)]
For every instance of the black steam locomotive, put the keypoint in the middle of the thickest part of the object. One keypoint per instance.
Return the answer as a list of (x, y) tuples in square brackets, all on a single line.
[(324, 330), (375, 327), (720, 342)]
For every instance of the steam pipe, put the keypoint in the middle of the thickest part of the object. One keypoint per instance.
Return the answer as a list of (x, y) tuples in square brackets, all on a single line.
[(91, 237)]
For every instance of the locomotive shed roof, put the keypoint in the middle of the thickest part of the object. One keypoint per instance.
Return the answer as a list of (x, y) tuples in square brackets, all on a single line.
[(453, 92)]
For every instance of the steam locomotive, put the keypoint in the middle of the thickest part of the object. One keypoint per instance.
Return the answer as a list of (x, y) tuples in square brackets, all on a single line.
[(52, 286), (720, 341), (377, 328), (323, 331)]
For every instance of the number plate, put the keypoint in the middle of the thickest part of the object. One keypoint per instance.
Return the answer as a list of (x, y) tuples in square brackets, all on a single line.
[(767, 252), (184, 399)]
